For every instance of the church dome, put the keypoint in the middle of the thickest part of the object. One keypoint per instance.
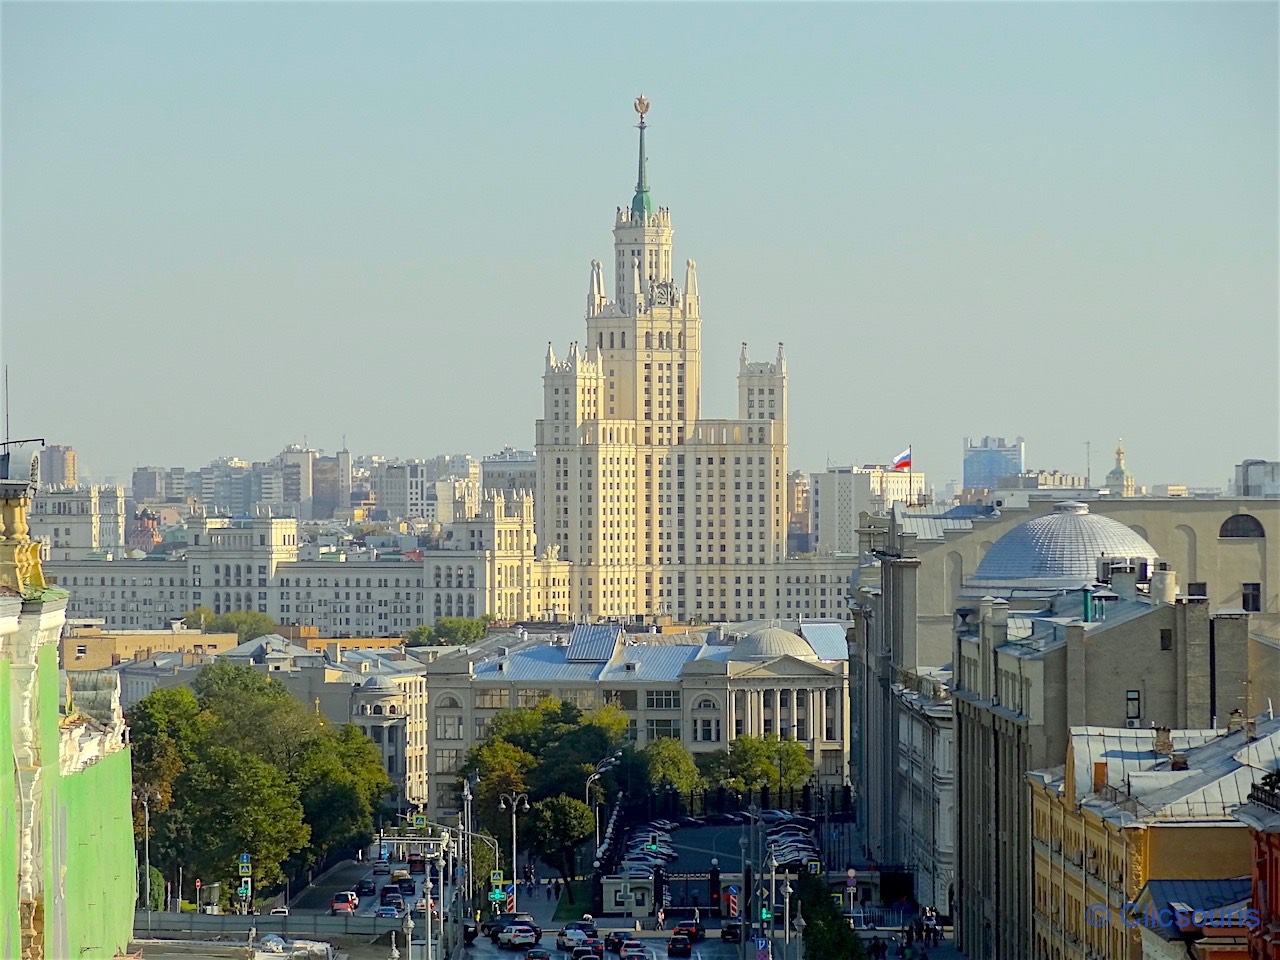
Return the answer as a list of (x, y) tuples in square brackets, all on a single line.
[(769, 643), (378, 683), (1059, 550)]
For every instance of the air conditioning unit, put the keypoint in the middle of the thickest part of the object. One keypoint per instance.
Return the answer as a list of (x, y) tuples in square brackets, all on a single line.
[(1133, 724)]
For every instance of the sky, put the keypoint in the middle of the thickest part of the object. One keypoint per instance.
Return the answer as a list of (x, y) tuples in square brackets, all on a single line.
[(229, 227)]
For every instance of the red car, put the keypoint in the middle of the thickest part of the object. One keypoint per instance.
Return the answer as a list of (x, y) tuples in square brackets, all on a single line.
[(344, 902)]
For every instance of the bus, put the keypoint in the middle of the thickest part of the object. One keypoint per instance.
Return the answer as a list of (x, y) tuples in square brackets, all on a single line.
[(417, 863)]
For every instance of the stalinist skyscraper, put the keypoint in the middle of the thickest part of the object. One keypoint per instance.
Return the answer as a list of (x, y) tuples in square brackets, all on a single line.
[(659, 510)]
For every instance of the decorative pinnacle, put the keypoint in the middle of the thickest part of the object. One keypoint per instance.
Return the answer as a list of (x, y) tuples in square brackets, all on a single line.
[(640, 202)]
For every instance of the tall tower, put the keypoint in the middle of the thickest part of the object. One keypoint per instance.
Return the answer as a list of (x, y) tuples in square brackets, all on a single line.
[(626, 464)]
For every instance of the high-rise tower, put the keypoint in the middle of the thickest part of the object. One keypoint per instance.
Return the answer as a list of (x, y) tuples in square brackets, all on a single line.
[(621, 444)]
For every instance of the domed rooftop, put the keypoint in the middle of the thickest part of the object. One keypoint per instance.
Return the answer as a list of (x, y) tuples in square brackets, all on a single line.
[(769, 643), (378, 683), (1059, 550)]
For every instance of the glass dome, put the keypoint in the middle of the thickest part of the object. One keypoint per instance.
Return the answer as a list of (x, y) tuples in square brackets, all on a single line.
[(1059, 550)]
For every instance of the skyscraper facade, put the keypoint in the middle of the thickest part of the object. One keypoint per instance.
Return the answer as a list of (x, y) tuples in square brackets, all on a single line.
[(991, 458), (660, 510)]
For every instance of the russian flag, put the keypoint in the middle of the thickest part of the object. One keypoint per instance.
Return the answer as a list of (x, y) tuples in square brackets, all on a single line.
[(902, 461)]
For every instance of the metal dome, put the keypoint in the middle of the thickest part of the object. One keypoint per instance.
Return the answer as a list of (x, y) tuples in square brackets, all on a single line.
[(1060, 549), (769, 643), (378, 683)]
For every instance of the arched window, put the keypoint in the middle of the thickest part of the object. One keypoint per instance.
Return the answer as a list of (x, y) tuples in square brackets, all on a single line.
[(610, 339), (377, 709), (448, 702), (648, 341), (1241, 525), (706, 703), (624, 339), (391, 709)]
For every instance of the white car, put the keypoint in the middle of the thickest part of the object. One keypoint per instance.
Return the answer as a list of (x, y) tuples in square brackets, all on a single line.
[(517, 936), (632, 948), (569, 938)]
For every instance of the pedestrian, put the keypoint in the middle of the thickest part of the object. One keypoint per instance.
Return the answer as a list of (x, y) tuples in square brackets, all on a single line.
[(697, 915), (548, 893), (662, 919)]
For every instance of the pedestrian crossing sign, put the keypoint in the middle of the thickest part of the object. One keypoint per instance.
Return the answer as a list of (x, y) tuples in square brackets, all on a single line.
[(419, 820)]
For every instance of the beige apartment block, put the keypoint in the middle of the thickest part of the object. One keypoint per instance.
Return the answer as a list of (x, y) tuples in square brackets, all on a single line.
[(1132, 806), (86, 646)]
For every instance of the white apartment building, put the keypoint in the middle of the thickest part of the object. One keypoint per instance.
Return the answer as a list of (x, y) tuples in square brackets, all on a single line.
[(72, 522), (253, 563), (660, 511), (839, 494)]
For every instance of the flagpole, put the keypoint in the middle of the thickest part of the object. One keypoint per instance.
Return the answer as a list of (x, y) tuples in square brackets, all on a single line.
[(911, 495)]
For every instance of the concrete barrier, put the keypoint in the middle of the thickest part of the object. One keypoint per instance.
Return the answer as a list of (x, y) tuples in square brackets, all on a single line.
[(234, 928)]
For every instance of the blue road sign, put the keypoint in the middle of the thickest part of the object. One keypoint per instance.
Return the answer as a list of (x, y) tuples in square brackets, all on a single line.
[(734, 889), (245, 858)]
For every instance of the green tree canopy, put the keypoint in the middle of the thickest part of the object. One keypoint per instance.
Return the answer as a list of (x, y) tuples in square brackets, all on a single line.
[(669, 762), (752, 762), (557, 825), (419, 636), (460, 630), (240, 804)]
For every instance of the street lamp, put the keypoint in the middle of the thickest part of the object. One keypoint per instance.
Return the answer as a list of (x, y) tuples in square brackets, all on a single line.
[(608, 763), (772, 866), (786, 919), (800, 925), (519, 803), (145, 797), (408, 930)]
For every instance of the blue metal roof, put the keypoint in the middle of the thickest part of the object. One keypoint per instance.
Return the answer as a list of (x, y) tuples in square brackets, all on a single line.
[(537, 663), (827, 640), (657, 662), (594, 643), (1219, 899)]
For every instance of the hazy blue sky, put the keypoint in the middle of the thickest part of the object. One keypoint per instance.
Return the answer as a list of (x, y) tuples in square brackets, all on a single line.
[(227, 227)]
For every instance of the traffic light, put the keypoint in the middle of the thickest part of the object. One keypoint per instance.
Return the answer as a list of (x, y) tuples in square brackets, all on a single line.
[(766, 914), (653, 841)]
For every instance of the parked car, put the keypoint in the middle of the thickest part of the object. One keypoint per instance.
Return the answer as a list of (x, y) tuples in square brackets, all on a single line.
[(381, 867), (279, 911), (690, 928), (692, 822), (722, 819), (342, 902), (388, 912), (366, 888), (679, 947), (516, 935), (731, 931), (632, 950)]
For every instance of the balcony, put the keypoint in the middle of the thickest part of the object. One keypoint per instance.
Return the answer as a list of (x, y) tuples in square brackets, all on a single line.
[(1268, 797)]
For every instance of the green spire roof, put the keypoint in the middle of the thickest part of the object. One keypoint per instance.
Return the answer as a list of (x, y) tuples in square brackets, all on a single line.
[(640, 205)]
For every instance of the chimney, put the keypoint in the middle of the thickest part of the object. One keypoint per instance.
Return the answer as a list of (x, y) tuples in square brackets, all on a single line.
[(1099, 775), (1236, 721), (1177, 761), (1164, 584), (1163, 744), (1251, 729), (334, 652), (1124, 581)]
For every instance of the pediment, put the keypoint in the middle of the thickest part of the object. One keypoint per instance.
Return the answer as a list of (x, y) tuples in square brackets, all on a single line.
[(790, 667)]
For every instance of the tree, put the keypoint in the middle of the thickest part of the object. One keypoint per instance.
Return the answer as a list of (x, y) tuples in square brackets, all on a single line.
[(753, 762), (556, 827), (460, 630), (419, 636), (826, 932), (240, 804), (197, 618), (669, 762), (248, 624)]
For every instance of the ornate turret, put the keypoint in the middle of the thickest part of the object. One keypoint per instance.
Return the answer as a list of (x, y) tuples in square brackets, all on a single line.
[(19, 555), (1120, 481)]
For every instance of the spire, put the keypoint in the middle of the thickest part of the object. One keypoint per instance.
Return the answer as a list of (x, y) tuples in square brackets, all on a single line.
[(551, 356), (640, 202), (690, 280)]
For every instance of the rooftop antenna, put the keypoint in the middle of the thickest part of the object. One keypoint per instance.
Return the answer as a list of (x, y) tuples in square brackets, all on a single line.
[(6, 403), (1088, 466)]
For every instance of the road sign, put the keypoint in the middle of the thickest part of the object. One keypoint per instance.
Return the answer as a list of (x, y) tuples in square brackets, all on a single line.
[(837, 899), (245, 858), (851, 883), (733, 889), (197, 883), (511, 898), (246, 869), (814, 866), (851, 873), (762, 948), (419, 820), (495, 876), (731, 903)]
